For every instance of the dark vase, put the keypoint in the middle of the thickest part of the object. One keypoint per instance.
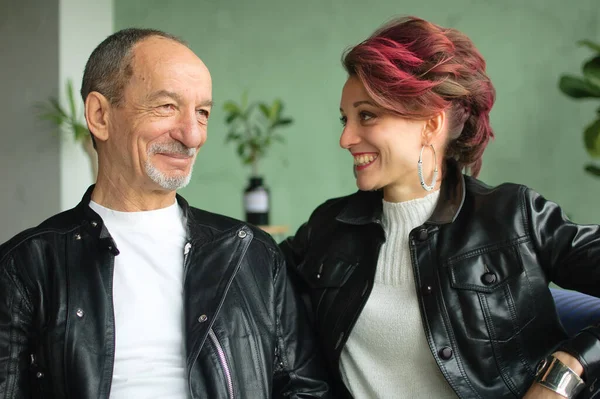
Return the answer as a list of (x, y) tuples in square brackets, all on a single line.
[(257, 202)]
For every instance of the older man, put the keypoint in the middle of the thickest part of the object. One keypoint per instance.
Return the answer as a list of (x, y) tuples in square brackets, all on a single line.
[(133, 293)]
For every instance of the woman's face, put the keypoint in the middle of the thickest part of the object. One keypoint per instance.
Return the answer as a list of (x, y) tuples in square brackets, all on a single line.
[(385, 147)]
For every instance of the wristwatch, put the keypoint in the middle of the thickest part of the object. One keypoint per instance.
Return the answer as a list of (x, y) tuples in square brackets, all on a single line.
[(553, 374)]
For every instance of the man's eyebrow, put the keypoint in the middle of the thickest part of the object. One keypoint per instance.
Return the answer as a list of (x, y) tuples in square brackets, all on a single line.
[(164, 93), (206, 103)]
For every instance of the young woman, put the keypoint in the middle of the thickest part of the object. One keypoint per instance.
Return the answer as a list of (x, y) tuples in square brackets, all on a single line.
[(427, 283)]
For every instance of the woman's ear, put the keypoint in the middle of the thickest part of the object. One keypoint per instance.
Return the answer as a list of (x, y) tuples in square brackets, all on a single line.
[(97, 110), (435, 128)]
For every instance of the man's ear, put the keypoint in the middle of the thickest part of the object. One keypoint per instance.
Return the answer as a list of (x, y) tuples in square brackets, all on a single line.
[(434, 128), (97, 111)]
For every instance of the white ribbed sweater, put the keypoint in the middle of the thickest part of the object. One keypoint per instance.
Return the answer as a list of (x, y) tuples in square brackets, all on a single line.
[(387, 355)]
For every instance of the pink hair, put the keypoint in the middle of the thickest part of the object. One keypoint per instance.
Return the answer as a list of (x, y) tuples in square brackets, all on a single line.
[(417, 69)]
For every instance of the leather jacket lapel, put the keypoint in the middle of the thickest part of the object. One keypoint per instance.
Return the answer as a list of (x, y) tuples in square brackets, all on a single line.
[(211, 267)]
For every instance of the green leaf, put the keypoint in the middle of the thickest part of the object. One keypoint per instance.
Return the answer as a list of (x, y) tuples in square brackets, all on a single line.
[(283, 122), (590, 44), (53, 117), (55, 105), (255, 130), (593, 169), (241, 148), (248, 111), (232, 136), (576, 87), (68, 118), (231, 108), (231, 117), (265, 110), (255, 143), (275, 110), (71, 100), (591, 71), (591, 137), (81, 131)]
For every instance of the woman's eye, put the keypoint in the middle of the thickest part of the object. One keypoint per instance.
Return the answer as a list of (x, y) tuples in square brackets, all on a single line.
[(343, 120), (365, 116)]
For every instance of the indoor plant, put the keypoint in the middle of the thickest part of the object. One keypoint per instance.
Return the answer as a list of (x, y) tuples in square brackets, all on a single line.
[(71, 121), (585, 87), (253, 128)]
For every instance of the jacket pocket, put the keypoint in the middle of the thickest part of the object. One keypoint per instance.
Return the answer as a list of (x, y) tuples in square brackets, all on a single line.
[(493, 291), (326, 275), (330, 271)]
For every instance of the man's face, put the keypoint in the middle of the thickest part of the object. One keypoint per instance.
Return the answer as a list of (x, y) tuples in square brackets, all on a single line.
[(157, 129)]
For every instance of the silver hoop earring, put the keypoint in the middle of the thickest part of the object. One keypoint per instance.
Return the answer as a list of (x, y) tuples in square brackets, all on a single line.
[(427, 187)]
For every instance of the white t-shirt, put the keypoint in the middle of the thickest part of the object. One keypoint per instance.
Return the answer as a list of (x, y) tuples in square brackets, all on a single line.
[(148, 302)]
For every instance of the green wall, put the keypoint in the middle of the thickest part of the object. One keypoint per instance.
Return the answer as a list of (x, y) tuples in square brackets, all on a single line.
[(292, 50)]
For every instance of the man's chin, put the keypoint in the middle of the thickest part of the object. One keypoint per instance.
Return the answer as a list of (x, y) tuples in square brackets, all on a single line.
[(170, 182)]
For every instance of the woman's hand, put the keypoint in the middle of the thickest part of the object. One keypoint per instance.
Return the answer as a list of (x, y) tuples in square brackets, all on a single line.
[(537, 391)]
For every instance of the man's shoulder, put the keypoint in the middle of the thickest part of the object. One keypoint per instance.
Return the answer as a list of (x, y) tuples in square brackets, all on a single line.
[(217, 223), (48, 230)]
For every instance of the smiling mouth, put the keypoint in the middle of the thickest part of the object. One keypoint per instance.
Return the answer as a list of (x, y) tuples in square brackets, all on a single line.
[(364, 160), (174, 155)]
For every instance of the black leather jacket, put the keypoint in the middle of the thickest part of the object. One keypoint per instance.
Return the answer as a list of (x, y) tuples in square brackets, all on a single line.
[(244, 329), (482, 264)]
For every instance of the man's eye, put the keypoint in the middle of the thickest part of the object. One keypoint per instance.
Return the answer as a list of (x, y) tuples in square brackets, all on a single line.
[(203, 115), (167, 107)]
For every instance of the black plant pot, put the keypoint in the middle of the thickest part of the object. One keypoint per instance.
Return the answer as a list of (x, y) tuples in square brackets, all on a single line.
[(257, 202)]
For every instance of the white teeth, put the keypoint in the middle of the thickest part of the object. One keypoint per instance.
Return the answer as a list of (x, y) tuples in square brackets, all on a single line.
[(360, 160)]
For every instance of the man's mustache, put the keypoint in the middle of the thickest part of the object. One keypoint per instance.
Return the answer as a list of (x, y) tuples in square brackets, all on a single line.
[(174, 147)]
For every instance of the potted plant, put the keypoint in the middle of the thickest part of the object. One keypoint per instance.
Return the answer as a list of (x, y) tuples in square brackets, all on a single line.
[(585, 87), (253, 128), (72, 121)]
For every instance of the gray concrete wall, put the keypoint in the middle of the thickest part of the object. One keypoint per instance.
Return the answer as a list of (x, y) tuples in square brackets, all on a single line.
[(29, 151)]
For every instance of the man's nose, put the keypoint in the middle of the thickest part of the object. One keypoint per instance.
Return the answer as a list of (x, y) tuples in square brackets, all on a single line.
[(192, 132)]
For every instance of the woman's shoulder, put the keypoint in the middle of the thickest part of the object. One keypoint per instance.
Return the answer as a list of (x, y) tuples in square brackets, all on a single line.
[(506, 195), (333, 207), (477, 186)]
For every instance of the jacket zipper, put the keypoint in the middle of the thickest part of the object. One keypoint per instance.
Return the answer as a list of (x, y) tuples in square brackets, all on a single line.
[(223, 360), (186, 251)]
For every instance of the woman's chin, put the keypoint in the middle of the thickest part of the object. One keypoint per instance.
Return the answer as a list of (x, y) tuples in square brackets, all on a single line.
[(366, 186)]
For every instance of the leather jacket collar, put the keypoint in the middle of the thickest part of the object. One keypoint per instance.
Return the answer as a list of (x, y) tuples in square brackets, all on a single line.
[(95, 226)]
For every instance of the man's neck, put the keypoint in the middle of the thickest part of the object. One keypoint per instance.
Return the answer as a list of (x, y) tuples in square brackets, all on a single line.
[(123, 197)]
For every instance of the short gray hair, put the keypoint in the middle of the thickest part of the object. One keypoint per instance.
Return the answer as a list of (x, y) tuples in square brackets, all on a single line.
[(109, 67)]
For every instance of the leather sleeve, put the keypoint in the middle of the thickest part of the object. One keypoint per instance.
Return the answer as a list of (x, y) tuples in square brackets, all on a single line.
[(299, 369), (294, 249), (15, 319), (570, 255)]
